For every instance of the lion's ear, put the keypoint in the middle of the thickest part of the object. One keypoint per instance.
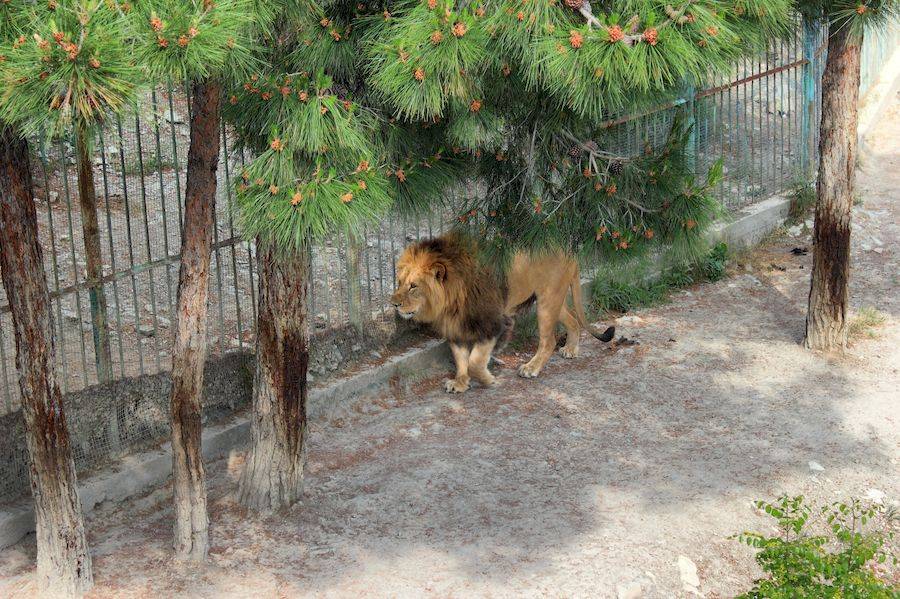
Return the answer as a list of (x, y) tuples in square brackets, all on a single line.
[(440, 271)]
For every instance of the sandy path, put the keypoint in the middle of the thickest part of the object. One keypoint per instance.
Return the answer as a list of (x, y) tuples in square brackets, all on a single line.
[(592, 480)]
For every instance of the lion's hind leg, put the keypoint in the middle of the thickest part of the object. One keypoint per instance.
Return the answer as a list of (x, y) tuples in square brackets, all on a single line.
[(573, 332), (548, 311), (478, 361)]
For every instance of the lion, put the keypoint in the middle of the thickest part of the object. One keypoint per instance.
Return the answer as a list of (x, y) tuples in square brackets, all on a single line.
[(440, 282)]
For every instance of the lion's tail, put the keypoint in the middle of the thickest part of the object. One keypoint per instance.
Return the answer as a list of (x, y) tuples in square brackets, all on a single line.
[(578, 311)]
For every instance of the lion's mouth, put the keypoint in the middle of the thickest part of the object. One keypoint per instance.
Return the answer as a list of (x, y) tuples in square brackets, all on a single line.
[(405, 315)]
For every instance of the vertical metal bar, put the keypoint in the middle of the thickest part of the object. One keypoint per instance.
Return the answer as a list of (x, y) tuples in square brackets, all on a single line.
[(170, 92), (55, 262), (218, 255), (6, 384), (312, 288), (809, 97), (381, 296), (234, 271), (368, 256), (130, 239), (65, 176), (112, 253), (690, 97), (249, 243), (140, 156), (162, 204)]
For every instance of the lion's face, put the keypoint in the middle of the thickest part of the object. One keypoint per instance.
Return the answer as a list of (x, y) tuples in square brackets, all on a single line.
[(420, 292)]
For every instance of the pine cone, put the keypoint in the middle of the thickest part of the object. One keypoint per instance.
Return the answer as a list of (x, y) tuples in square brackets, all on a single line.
[(574, 4), (615, 167), (574, 151)]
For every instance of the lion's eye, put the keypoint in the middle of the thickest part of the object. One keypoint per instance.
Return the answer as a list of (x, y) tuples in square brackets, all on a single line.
[(412, 286)]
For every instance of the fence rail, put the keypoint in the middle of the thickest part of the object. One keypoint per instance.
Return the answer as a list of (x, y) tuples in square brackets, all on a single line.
[(761, 121)]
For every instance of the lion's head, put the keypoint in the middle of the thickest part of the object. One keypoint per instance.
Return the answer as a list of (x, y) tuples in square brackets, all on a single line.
[(421, 275), (440, 282)]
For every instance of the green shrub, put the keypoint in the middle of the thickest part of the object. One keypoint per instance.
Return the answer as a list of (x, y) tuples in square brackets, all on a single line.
[(803, 199), (824, 552), (610, 294)]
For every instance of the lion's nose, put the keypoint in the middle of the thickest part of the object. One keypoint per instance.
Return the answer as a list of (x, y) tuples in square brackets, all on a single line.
[(395, 302)]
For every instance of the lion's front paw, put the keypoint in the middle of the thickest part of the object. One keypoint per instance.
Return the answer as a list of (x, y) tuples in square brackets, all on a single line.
[(529, 370), (568, 352), (456, 386)]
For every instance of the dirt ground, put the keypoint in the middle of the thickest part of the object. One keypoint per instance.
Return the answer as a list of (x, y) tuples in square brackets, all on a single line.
[(608, 476)]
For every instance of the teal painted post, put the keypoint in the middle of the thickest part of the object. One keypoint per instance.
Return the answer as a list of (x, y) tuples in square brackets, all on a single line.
[(808, 105), (690, 110)]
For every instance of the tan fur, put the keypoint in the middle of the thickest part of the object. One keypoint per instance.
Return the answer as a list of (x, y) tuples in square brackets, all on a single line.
[(440, 282), (550, 278)]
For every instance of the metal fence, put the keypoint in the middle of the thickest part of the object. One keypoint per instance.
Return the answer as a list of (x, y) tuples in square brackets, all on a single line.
[(762, 121)]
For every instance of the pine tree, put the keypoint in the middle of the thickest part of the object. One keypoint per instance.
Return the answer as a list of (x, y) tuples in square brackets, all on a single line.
[(200, 43), (71, 67), (847, 21), (328, 161), (63, 559), (522, 89)]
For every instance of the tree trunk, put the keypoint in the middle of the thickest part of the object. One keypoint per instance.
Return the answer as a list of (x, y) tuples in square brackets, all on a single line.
[(189, 353), (63, 561), (274, 469), (826, 320), (87, 199)]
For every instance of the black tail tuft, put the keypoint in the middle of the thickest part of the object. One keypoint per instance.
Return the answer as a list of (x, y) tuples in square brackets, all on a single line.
[(608, 334)]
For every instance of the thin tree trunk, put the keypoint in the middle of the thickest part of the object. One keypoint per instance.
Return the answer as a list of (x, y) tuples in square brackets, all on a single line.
[(87, 199), (189, 353), (826, 320), (63, 561), (274, 470)]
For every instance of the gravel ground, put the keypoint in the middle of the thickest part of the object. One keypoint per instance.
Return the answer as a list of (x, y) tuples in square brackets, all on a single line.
[(613, 474)]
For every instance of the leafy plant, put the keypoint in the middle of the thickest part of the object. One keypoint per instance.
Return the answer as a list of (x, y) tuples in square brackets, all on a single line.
[(611, 294), (803, 198), (866, 321), (822, 552)]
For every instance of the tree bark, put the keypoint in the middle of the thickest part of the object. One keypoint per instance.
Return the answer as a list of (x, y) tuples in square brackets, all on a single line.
[(63, 561), (87, 199), (826, 320), (189, 353), (274, 470)]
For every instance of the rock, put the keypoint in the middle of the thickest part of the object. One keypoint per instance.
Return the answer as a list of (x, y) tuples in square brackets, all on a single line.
[(162, 321), (629, 320), (630, 590), (687, 570), (875, 496), (146, 330), (816, 466), (70, 315), (795, 230)]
